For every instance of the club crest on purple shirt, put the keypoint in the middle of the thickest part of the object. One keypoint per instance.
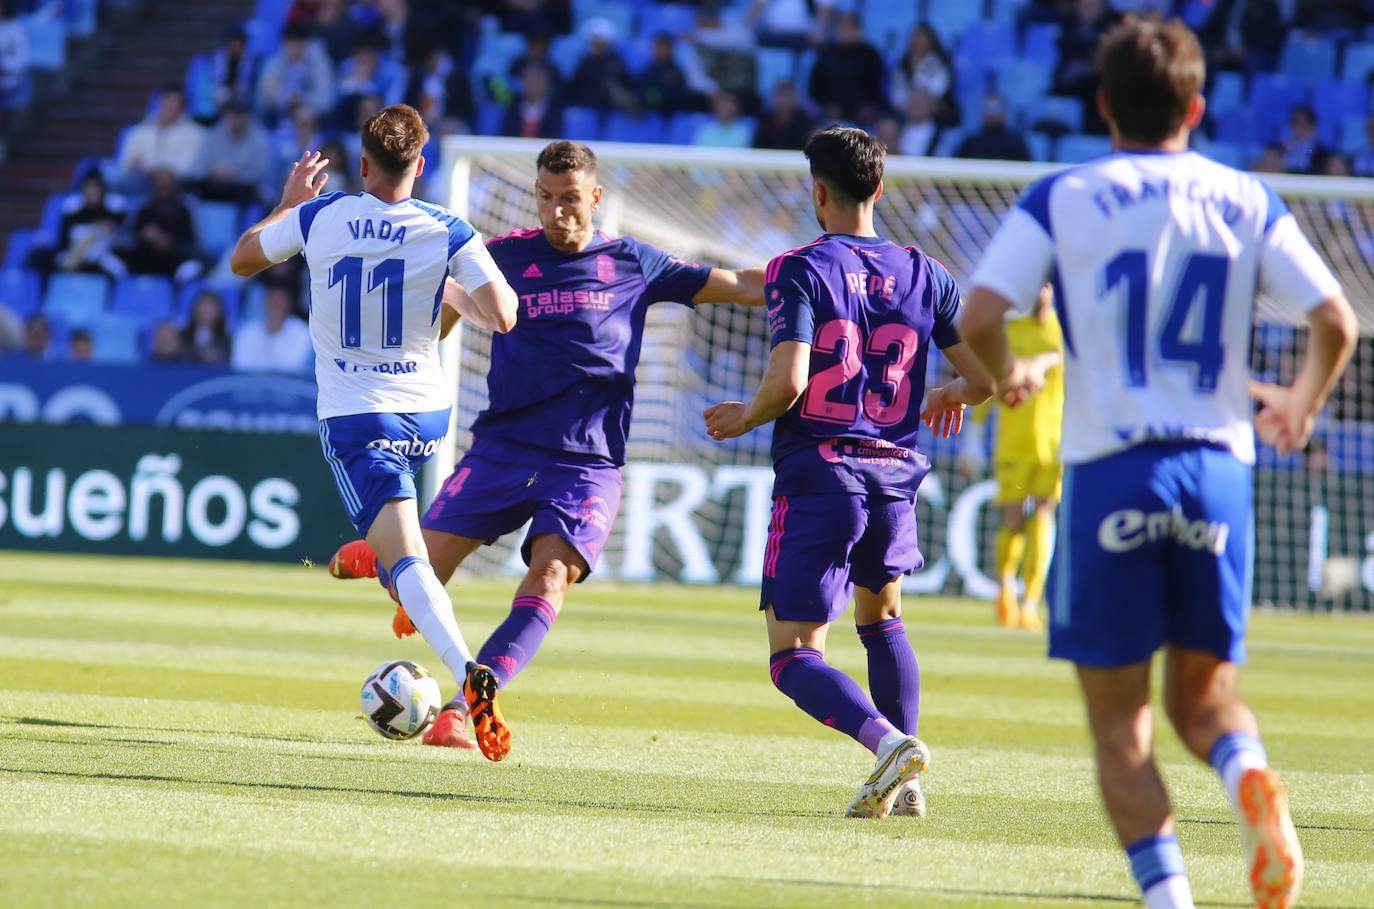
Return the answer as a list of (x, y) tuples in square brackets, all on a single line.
[(605, 269)]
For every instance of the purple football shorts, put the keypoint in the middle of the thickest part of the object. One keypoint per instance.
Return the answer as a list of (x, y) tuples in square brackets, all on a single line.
[(820, 546)]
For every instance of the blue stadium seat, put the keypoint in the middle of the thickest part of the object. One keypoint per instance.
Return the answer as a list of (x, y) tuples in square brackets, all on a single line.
[(1308, 57), (1024, 83), (949, 18), (775, 64), (76, 299), (21, 290), (1005, 11), (1041, 42), (1334, 100), (683, 127), (115, 338), (1239, 126), (674, 19), (145, 296), (47, 41), (1077, 148), (1040, 146), (1228, 93), (20, 245), (496, 52), (637, 53), (82, 16), (50, 224), (1064, 110), (1232, 154), (582, 124), (620, 13), (200, 88), (622, 127), (566, 52), (1272, 97), (490, 117), (1358, 62), (888, 25), (989, 42), (1354, 136), (217, 226)]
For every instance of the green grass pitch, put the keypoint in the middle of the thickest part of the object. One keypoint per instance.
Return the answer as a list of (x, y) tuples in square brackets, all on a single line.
[(185, 734)]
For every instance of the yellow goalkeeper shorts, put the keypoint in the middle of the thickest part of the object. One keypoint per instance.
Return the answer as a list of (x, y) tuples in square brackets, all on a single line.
[(1021, 480)]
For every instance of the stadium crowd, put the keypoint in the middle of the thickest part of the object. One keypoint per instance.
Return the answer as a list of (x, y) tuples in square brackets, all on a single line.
[(129, 265)]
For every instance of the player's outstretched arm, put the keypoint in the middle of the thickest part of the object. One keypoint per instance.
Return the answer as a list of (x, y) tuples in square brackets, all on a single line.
[(1289, 413), (789, 369), (983, 329), (743, 286), (305, 182), (944, 407)]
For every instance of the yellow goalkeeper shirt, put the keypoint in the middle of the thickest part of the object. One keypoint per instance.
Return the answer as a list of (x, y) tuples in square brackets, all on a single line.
[(1032, 431)]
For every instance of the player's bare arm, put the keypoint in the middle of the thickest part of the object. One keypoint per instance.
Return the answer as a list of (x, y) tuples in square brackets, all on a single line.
[(983, 331), (743, 286), (943, 412), (1288, 413), (492, 306), (306, 181), (783, 383)]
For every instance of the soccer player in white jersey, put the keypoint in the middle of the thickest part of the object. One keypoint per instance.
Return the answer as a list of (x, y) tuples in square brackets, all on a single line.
[(379, 271), (1157, 254)]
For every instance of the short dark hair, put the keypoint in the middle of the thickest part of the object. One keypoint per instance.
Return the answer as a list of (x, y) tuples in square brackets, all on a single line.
[(849, 160), (393, 138), (1151, 71), (564, 156)]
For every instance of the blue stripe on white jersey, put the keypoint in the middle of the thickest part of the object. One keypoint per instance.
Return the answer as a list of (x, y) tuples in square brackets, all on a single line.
[(1156, 259)]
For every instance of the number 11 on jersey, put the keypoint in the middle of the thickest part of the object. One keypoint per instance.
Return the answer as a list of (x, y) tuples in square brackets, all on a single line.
[(389, 276)]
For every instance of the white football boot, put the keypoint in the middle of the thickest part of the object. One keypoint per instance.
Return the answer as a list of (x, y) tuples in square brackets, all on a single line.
[(1273, 857), (898, 765), (910, 800)]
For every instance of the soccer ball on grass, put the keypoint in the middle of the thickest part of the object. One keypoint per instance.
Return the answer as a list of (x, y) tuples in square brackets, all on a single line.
[(400, 699)]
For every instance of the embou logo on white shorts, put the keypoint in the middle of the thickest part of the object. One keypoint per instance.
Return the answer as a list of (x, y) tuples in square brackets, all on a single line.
[(1131, 528)]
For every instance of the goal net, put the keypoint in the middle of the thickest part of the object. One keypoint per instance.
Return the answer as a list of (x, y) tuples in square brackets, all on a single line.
[(698, 511)]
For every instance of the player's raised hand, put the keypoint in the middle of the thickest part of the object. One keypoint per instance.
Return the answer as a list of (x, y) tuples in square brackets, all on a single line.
[(1284, 420), (1026, 377), (726, 420), (306, 180), (944, 412)]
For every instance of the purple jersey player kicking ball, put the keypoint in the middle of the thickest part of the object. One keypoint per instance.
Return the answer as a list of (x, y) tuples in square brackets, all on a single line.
[(852, 316), (550, 446)]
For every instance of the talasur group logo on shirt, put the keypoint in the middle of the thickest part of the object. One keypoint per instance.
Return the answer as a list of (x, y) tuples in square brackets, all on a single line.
[(605, 269)]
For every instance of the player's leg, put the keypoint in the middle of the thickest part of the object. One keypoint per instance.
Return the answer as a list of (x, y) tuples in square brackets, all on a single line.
[(1209, 597), (446, 552), (1121, 721), (1012, 478), (1035, 566), (554, 567)]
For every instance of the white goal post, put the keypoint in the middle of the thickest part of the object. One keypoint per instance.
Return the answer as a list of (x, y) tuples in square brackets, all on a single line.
[(696, 511)]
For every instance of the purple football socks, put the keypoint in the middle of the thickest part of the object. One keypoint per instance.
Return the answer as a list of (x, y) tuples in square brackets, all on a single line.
[(516, 640), (828, 695), (894, 676)]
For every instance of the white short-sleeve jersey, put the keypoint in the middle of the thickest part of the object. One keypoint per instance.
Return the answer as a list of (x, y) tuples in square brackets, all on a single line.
[(1156, 260), (377, 272)]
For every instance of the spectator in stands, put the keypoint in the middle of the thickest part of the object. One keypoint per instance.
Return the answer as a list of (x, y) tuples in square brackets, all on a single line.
[(236, 158), (925, 66), (11, 330), (14, 60), (535, 17), (232, 68), (789, 23), (1303, 152), (37, 337), (164, 237), (725, 129), (536, 113), (279, 342), (728, 60), (787, 125), (366, 72), (1270, 160), (293, 139), (1079, 34), (298, 73), (80, 347), (994, 141), (663, 85), (441, 92), (1363, 163), (1337, 165), (342, 170), (536, 53), (847, 81), (168, 140), (166, 346), (332, 26), (921, 133), (601, 80), (85, 239), (205, 339)]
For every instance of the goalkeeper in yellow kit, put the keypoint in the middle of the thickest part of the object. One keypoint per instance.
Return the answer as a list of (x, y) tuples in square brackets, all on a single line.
[(1027, 468)]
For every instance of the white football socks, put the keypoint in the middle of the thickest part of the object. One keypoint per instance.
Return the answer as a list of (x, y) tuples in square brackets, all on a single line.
[(1173, 892), (431, 611)]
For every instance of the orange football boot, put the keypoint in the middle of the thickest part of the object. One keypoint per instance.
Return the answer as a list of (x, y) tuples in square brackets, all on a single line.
[(401, 626), (354, 560), (493, 735), (450, 728), (1269, 840)]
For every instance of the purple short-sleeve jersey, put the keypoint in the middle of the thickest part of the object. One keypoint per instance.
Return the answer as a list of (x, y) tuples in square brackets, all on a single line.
[(869, 309), (563, 378)]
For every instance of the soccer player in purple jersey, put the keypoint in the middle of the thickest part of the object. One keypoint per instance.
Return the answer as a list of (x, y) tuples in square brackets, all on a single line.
[(852, 316), (550, 446)]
